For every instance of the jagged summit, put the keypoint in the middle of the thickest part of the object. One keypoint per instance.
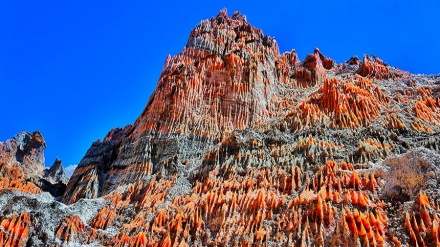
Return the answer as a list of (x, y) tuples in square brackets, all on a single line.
[(230, 76), (55, 179), (203, 88), (241, 145)]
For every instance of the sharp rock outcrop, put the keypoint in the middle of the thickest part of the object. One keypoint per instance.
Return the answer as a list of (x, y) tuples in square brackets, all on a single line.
[(22, 166), (54, 179)]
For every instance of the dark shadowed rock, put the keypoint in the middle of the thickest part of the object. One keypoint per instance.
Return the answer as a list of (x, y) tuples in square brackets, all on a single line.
[(54, 180), (56, 173)]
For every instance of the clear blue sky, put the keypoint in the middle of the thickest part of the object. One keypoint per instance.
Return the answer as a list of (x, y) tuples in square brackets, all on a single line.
[(76, 69)]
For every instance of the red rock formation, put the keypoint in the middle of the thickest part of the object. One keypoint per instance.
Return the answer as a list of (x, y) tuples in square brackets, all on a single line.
[(22, 165), (20, 185), (213, 80), (22, 162), (427, 108), (229, 76), (340, 103), (422, 225), (226, 200), (374, 67), (71, 229), (313, 69), (240, 145), (140, 240), (14, 231)]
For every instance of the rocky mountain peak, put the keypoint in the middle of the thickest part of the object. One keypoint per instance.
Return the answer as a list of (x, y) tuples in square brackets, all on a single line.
[(225, 70), (29, 150), (241, 145), (56, 173)]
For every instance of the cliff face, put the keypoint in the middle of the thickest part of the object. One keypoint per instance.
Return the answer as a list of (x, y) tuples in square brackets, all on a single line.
[(230, 76), (241, 145)]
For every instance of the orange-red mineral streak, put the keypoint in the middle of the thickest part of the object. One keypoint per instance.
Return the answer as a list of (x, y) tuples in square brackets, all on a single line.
[(14, 231), (71, 229), (374, 67), (341, 104)]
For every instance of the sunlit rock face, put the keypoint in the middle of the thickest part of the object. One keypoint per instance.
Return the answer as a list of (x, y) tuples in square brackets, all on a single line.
[(22, 162), (230, 76), (241, 145), (23, 166)]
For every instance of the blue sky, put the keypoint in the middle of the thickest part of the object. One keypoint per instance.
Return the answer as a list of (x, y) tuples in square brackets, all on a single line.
[(76, 69)]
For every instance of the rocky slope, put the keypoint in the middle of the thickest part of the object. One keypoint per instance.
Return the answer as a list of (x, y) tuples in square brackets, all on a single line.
[(240, 145)]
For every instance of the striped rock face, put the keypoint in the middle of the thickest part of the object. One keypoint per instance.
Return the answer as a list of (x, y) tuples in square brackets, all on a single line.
[(240, 145), (230, 76)]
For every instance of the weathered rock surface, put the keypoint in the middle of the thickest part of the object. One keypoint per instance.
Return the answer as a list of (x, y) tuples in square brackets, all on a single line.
[(22, 162), (22, 166), (240, 145), (56, 173), (55, 180), (39, 220)]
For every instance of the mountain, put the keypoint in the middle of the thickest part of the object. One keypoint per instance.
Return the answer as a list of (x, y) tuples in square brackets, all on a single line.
[(240, 145), (55, 179)]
